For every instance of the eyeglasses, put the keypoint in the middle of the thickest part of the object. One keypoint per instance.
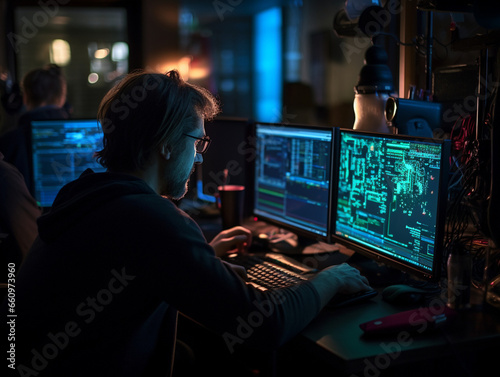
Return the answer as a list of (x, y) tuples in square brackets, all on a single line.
[(201, 143)]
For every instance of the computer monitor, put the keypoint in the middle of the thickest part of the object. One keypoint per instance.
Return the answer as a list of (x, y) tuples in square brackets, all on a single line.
[(61, 151), (390, 199), (232, 148), (293, 169)]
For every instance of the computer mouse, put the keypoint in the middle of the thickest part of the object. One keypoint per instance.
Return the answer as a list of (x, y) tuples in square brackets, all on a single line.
[(403, 294)]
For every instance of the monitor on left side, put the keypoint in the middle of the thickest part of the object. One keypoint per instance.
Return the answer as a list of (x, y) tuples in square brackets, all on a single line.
[(293, 171), (61, 151)]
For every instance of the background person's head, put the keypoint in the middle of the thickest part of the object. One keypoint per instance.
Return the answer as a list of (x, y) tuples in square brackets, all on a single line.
[(150, 113), (43, 87)]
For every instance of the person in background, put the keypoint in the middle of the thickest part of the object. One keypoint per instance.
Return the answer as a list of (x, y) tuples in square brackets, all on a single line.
[(116, 259), (44, 97), (18, 215)]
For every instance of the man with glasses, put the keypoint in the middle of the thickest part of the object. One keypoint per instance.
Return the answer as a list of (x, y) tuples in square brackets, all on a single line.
[(116, 260)]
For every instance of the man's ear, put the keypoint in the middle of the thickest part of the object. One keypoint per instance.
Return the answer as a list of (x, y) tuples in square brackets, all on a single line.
[(165, 152)]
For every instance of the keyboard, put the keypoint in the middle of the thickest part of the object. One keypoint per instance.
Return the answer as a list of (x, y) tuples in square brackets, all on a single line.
[(268, 272), (272, 271)]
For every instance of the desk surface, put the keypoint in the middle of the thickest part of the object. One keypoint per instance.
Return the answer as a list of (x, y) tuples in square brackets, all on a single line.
[(335, 334)]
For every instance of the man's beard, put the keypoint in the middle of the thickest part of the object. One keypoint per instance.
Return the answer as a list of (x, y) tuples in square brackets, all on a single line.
[(175, 188)]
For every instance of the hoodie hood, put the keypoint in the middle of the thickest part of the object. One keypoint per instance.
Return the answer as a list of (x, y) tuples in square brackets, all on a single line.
[(82, 196)]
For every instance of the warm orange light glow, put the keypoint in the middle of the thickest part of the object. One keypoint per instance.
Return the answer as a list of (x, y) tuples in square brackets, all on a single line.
[(101, 53), (167, 66), (185, 68), (199, 73)]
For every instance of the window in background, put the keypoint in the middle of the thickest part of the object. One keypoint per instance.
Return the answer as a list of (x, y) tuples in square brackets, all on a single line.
[(89, 43)]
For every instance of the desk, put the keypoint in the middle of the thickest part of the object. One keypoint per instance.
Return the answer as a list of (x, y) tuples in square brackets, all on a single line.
[(334, 345), (337, 338)]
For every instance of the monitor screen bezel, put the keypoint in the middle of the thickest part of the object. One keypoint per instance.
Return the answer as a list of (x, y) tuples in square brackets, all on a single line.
[(418, 272), (309, 234)]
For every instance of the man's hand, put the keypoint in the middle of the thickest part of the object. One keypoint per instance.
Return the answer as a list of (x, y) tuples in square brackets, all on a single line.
[(347, 278), (237, 239), (341, 278)]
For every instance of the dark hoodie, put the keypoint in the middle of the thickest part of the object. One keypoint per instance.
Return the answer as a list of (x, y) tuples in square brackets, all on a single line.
[(99, 292)]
